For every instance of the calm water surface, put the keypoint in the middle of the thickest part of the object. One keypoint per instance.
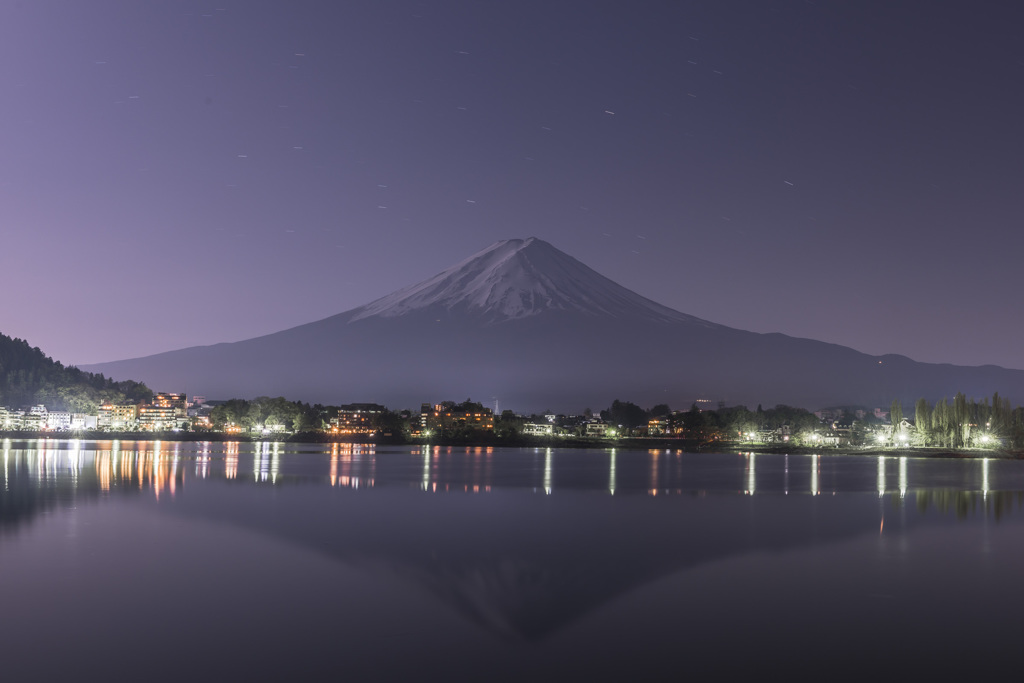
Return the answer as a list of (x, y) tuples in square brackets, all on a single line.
[(174, 561)]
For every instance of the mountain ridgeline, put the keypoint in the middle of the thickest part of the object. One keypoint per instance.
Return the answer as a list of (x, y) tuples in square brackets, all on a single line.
[(532, 327), (28, 377)]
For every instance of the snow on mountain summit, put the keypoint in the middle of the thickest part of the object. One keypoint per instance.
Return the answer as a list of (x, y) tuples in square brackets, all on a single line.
[(516, 279)]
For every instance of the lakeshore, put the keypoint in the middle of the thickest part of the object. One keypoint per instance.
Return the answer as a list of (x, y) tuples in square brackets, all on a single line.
[(624, 443)]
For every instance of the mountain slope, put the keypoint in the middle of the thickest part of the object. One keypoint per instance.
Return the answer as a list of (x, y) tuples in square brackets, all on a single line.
[(515, 279), (28, 376), (529, 325)]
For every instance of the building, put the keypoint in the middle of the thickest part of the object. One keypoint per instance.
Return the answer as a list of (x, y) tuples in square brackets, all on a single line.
[(166, 411), (661, 426), (58, 421), (543, 429), (117, 418), (80, 421), (32, 422), (10, 420), (157, 418), (177, 402), (452, 417), (358, 418)]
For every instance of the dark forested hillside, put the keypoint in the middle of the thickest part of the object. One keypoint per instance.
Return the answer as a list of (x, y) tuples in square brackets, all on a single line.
[(28, 376)]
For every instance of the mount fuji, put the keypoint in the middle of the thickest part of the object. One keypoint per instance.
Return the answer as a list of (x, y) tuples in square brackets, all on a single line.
[(531, 326)]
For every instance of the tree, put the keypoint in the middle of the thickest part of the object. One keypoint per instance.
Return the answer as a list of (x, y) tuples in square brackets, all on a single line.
[(941, 424), (961, 421), (625, 414), (923, 420), (660, 410), (896, 415)]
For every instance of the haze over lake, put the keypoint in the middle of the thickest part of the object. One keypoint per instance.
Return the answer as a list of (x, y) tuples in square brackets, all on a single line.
[(174, 560)]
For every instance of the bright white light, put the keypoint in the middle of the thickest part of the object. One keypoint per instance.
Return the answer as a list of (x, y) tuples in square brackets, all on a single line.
[(751, 474), (881, 476), (903, 477), (547, 471), (984, 478), (611, 474)]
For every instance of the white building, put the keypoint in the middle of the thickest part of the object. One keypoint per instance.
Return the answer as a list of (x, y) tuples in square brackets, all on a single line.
[(533, 429), (58, 421), (80, 421)]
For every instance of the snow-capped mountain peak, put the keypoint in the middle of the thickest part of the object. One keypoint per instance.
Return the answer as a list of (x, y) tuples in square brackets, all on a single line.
[(519, 278)]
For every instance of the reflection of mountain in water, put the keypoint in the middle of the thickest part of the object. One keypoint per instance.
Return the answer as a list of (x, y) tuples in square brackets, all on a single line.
[(517, 560)]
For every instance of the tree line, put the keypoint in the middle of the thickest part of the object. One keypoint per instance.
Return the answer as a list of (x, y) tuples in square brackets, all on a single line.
[(29, 377), (966, 423), (707, 424), (265, 412)]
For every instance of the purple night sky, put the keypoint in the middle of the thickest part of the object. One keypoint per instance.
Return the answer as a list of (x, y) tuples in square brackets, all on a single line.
[(182, 173)]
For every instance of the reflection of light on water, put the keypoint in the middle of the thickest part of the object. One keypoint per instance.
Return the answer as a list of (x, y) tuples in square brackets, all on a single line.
[(203, 460), (260, 461), (654, 472), (903, 476), (343, 457), (815, 466), (547, 471), (751, 474), (75, 457), (334, 465), (984, 478), (611, 473), (275, 462), (126, 466), (488, 468), (174, 467), (881, 476), (426, 469), (104, 470), (785, 474), (231, 460)]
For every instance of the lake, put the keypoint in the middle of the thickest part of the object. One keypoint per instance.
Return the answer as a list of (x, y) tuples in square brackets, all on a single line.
[(177, 561)]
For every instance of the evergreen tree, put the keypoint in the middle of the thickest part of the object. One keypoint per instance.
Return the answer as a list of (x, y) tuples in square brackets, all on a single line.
[(923, 420), (896, 417), (961, 421)]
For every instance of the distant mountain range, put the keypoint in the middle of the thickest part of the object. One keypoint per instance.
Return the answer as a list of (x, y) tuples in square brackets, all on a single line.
[(532, 327)]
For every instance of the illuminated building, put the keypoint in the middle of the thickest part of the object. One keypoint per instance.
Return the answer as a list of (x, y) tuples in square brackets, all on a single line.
[(533, 429), (659, 426), (10, 419), (165, 411), (115, 417), (83, 421), (156, 418), (175, 401), (32, 422), (58, 421), (358, 418), (450, 416)]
